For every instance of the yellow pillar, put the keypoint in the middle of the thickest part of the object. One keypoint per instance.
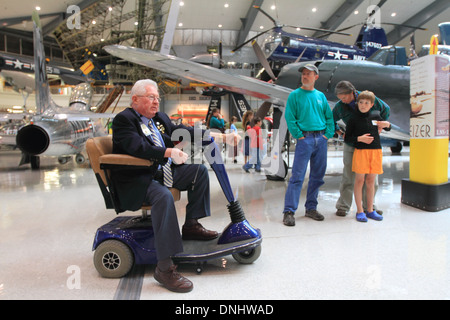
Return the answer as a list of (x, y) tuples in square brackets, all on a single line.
[(429, 161), (428, 187)]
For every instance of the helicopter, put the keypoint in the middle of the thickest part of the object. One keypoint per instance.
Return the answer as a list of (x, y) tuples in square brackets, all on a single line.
[(281, 48)]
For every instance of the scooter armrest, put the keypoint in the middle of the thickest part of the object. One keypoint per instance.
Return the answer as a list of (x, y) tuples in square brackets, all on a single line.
[(124, 160)]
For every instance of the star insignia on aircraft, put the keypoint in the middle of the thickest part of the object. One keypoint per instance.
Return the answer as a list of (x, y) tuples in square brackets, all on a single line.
[(338, 55), (18, 64)]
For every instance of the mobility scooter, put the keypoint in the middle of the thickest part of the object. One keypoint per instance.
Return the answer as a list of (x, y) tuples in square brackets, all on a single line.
[(128, 241)]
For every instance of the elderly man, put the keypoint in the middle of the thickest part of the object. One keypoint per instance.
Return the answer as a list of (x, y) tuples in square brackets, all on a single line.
[(144, 132), (344, 110)]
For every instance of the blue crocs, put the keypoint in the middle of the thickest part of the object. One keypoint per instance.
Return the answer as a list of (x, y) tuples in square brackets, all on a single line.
[(375, 216), (361, 217)]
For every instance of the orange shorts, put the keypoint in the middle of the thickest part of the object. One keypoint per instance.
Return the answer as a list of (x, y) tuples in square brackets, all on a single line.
[(368, 161)]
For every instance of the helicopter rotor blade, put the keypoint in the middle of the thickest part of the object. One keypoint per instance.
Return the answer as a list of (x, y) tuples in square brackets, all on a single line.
[(267, 15), (321, 30), (251, 39), (404, 25)]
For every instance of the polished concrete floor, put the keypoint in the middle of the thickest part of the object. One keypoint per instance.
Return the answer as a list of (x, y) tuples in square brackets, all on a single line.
[(48, 219)]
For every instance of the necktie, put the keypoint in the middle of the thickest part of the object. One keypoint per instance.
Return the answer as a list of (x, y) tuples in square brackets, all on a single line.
[(167, 170)]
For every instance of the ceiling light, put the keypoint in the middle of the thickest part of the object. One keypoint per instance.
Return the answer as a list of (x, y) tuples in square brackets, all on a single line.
[(94, 22), (180, 24), (261, 27), (226, 5), (220, 26), (181, 4), (110, 9), (38, 8), (314, 10), (356, 12), (393, 14), (273, 7)]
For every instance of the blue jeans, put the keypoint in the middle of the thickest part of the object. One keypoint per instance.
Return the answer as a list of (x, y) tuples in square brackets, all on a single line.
[(255, 159), (312, 149)]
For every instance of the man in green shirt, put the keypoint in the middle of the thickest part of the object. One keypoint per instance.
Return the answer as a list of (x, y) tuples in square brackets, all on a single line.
[(310, 121)]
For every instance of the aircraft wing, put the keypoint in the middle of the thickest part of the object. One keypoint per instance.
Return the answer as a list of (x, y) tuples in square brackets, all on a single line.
[(194, 71), (79, 116), (396, 133), (5, 117)]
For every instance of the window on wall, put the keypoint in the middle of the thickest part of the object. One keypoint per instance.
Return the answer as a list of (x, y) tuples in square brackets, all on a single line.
[(27, 48), (13, 44), (57, 53), (2, 42)]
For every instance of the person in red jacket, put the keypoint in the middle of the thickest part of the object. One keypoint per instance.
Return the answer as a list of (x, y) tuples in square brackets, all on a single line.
[(256, 146)]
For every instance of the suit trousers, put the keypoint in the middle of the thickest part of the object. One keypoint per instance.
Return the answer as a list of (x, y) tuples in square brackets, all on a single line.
[(192, 178)]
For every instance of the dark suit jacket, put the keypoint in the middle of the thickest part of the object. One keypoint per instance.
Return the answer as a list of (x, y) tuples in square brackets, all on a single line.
[(129, 138)]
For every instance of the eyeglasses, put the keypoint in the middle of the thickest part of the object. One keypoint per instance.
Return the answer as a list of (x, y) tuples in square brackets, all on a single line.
[(151, 98)]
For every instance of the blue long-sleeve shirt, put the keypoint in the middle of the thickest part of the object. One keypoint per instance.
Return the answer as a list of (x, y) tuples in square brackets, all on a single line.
[(308, 111)]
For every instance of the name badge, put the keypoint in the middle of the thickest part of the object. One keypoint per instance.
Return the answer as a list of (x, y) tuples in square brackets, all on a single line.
[(145, 130), (374, 122)]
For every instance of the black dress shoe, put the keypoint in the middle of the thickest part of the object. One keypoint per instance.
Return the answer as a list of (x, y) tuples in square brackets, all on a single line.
[(198, 232), (172, 280)]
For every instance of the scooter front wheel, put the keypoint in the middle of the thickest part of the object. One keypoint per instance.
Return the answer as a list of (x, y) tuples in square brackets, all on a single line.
[(248, 256), (113, 259)]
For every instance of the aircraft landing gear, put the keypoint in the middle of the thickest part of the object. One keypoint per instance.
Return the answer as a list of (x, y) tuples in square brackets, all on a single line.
[(35, 162), (63, 160), (80, 159)]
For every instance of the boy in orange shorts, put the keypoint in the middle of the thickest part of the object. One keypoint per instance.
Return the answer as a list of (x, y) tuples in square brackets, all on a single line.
[(364, 130)]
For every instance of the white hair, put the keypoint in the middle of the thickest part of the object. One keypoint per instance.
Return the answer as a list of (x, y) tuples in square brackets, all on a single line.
[(140, 86)]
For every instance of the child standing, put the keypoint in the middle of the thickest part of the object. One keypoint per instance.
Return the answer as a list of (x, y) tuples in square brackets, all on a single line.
[(256, 146), (363, 130)]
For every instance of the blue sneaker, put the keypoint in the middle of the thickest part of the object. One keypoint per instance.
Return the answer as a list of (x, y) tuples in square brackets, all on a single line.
[(374, 216), (361, 217)]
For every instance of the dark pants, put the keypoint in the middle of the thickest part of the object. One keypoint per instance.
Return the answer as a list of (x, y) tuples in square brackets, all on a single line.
[(192, 178)]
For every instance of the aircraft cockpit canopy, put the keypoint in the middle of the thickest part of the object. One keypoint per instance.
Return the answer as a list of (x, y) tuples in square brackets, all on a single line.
[(81, 97)]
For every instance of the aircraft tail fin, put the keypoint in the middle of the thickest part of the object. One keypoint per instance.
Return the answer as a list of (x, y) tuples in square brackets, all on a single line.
[(371, 39), (444, 29), (44, 100)]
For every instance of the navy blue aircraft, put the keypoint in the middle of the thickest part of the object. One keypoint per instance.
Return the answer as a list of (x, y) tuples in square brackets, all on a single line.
[(287, 47)]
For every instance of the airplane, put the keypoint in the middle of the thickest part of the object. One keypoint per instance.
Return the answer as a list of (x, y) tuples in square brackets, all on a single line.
[(20, 64), (53, 130), (390, 83)]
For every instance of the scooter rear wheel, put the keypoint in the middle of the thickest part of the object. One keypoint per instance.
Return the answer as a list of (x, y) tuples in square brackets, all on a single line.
[(113, 259), (248, 256)]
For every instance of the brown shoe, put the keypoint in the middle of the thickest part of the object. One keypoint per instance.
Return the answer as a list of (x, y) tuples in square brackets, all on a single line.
[(198, 232), (172, 280)]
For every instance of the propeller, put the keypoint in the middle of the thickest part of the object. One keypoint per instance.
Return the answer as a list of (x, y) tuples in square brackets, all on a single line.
[(262, 59)]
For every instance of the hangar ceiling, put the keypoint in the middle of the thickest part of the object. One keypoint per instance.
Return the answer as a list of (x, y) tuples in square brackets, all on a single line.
[(237, 15)]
